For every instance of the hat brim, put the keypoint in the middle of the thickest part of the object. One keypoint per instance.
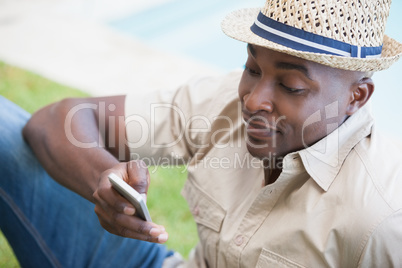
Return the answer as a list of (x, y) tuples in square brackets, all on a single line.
[(237, 25)]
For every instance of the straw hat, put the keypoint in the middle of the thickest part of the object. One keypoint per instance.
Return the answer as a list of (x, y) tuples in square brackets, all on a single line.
[(344, 34)]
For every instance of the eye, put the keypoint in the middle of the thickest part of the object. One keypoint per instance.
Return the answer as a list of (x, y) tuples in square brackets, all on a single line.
[(251, 71), (291, 90)]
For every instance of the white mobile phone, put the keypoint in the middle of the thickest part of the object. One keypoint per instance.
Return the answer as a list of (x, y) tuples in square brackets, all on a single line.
[(131, 195)]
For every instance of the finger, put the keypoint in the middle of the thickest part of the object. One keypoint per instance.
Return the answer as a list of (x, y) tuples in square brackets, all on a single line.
[(132, 227), (114, 218), (125, 232), (108, 198), (138, 226), (160, 239), (138, 175)]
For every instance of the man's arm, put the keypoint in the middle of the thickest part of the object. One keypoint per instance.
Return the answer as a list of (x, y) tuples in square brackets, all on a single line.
[(65, 137), (79, 142)]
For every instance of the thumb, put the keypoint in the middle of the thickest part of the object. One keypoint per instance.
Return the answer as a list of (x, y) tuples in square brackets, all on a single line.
[(138, 176)]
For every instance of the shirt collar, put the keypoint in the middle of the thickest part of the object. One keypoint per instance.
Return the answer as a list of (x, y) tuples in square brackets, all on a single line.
[(324, 159)]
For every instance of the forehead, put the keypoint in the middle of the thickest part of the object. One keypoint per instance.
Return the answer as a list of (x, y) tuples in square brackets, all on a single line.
[(269, 56)]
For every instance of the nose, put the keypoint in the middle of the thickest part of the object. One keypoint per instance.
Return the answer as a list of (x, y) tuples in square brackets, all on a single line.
[(258, 99)]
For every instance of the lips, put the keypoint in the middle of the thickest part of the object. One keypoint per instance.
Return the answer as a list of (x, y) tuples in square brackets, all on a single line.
[(259, 128)]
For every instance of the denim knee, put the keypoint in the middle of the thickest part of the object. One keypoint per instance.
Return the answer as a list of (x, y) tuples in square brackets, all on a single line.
[(12, 119), (13, 149)]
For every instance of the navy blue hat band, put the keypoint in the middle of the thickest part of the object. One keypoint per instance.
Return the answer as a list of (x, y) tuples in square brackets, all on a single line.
[(301, 40)]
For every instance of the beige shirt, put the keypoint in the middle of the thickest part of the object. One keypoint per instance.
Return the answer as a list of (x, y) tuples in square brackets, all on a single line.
[(336, 204)]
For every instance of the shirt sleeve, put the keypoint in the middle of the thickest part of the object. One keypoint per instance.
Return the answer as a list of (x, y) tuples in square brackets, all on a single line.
[(168, 127), (384, 246)]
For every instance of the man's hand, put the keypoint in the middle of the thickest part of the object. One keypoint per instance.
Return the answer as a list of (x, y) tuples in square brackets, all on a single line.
[(116, 214)]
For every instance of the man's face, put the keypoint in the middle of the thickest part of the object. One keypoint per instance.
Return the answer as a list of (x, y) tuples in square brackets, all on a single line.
[(283, 96)]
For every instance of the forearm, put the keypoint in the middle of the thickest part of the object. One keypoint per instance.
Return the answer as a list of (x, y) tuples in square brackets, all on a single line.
[(67, 138), (59, 144)]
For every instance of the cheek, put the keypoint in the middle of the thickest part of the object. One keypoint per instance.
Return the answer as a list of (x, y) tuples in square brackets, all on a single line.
[(305, 123), (245, 85), (315, 122)]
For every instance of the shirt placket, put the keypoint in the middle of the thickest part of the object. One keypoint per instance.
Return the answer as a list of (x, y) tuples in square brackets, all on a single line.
[(258, 212), (255, 216)]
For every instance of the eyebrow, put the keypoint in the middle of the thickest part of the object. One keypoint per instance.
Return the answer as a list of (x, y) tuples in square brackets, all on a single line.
[(283, 65), (293, 66)]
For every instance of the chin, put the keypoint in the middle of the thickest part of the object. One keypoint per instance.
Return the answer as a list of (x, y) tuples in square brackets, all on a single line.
[(262, 153)]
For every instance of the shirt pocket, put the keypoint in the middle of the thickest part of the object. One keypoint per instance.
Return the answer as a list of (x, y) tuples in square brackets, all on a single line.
[(206, 210), (209, 216), (270, 259)]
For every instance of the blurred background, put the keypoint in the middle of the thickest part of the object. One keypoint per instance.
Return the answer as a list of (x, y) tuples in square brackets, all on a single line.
[(50, 49)]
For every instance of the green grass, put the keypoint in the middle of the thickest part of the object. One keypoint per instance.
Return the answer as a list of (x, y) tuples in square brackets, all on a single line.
[(7, 258), (166, 205), (31, 91)]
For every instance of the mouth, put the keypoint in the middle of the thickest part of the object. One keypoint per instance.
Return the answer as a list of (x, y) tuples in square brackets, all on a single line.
[(259, 128)]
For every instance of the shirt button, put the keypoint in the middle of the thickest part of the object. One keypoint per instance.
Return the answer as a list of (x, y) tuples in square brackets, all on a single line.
[(239, 240)]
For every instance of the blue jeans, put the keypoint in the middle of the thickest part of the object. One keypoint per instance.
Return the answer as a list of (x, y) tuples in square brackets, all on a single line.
[(48, 225)]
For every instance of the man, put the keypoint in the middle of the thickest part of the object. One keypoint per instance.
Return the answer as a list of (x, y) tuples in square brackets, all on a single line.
[(303, 179)]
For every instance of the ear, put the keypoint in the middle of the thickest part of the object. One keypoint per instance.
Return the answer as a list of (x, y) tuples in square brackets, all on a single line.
[(360, 94)]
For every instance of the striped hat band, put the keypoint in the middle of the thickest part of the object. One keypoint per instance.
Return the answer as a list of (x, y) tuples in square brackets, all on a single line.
[(301, 40)]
